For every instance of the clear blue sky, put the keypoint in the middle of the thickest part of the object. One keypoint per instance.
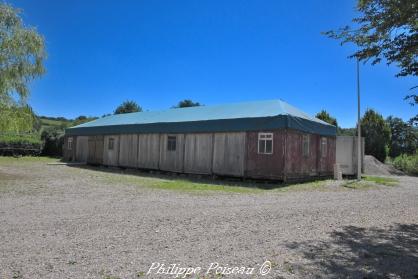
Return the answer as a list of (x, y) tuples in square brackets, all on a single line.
[(101, 53)]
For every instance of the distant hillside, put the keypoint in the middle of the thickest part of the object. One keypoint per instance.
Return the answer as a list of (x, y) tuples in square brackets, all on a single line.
[(62, 122)]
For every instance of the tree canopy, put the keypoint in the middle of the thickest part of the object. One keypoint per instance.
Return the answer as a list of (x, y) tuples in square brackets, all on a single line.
[(325, 116), (385, 29), (377, 134), (403, 140), (22, 52), (127, 107), (187, 103), (17, 119)]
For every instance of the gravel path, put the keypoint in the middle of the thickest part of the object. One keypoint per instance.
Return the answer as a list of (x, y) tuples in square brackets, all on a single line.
[(64, 222)]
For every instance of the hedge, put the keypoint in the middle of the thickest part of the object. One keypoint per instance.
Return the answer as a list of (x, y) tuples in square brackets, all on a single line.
[(407, 163), (20, 144)]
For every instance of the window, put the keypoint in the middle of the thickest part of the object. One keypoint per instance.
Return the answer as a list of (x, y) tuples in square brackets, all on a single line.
[(305, 145), (265, 143), (171, 143), (324, 147), (70, 143), (111, 144)]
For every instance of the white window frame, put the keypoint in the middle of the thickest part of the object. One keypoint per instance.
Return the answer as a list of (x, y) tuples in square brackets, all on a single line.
[(306, 139), (265, 137), (111, 144), (70, 143), (324, 147)]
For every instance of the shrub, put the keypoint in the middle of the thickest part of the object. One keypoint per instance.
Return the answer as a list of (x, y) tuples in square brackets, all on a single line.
[(407, 163), (53, 139), (20, 144)]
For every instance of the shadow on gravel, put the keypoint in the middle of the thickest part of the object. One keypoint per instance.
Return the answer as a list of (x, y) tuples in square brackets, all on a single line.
[(195, 178), (356, 252)]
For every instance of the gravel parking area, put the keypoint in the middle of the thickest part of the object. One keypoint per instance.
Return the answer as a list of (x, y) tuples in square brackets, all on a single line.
[(58, 221)]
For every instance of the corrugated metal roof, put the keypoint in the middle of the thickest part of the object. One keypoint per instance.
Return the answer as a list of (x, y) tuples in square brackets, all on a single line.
[(169, 120)]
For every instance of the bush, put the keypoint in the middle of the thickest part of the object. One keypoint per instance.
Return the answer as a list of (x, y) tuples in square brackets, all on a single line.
[(407, 163), (20, 144), (53, 139)]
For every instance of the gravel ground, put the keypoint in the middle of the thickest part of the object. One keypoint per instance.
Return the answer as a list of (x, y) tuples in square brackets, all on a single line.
[(67, 222)]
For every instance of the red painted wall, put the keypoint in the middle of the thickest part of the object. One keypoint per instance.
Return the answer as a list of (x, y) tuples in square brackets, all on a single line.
[(265, 165), (300, 166)]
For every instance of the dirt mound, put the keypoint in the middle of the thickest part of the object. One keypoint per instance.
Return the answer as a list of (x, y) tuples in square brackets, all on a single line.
[(375, 167)]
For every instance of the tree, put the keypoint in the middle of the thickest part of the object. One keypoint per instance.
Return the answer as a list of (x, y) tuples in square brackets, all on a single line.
[(187, 103), (324, 116), (22, 53), (17, 119), (376, 133), (404, 139), (385, 29), (82, 119), (127, 107)]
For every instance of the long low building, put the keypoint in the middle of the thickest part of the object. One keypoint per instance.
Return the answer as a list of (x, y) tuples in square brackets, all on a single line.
[(261, 139)]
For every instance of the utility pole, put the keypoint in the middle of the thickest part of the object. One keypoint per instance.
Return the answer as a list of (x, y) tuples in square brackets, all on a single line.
[(358, 124)]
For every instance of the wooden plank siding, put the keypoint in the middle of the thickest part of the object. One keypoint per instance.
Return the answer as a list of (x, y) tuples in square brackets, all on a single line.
[(69, 155), (148, 151), (82, 149), (298, 166), (128, 151), (172, 160), (265, 165), (111, 156), (229, 154), (198, 153), (326, 164), (95, 153)]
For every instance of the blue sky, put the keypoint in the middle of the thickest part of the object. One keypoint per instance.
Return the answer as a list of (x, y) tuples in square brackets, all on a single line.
[(101, 53)]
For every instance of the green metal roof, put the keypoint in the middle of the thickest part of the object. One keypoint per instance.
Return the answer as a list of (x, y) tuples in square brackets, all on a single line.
[(247, 116)]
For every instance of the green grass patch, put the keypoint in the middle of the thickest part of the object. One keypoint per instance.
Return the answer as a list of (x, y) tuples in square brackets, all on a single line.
[(387, 181), (318, 185), (198, 186), (359, 185), (4, 160), (177, 184), (50, 122)]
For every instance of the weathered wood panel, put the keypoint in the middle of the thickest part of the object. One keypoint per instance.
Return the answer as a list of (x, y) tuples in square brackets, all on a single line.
[(148, 151), (326, 163), (265, 165), (91, 159), (198, 153), (171, 160), (111, 155), (128, 151), (82, 149), (69, 155), (297, 165), (95, 150), (229, 154)]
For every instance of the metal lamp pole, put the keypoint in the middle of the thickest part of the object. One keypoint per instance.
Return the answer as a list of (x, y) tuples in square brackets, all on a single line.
[(358, 124)]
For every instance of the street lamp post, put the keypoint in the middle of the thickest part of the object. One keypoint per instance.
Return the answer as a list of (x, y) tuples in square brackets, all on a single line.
[(358, 124)]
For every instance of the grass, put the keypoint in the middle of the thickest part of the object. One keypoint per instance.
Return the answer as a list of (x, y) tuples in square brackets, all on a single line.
[(370, 182), (176, 184), (387, 181), (198, 186), (305, 186), (4, 160), (359, 185)]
